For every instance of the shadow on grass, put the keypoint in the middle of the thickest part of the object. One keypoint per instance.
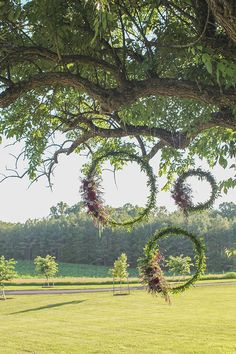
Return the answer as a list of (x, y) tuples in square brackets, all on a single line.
[(48, 306)]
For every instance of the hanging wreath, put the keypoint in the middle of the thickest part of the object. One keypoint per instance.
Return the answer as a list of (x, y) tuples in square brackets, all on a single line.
[(150, 260), (92, 192), (182, 192)]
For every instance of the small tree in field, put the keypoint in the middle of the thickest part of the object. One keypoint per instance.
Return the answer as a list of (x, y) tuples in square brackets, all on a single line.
[(7, 272), (119, 270), (179, 265), (47, 266), (230, 252)]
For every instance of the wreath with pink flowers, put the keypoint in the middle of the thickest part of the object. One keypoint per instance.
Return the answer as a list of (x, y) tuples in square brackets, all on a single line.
[(92, 191)]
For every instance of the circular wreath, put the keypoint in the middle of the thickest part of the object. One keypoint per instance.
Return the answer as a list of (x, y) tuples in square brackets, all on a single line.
[(151, 249), (92, 194), (182, 193)]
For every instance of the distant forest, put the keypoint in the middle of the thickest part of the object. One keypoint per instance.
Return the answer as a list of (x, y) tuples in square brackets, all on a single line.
[(70, 235)]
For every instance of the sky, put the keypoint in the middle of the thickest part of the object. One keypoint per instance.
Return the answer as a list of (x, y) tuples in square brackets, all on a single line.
[(20, 202)]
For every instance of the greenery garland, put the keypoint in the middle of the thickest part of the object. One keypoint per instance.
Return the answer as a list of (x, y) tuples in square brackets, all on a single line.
[(181, 192), (99, 212), (151, 249)]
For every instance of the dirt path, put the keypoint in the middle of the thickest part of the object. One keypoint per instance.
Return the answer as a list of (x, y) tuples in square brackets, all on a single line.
[(96, 290)]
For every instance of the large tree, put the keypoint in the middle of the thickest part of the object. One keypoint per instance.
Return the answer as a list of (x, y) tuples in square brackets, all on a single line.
[(148, 75)]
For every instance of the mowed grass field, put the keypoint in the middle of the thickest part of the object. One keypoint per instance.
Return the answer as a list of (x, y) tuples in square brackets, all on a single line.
[(202, 320)]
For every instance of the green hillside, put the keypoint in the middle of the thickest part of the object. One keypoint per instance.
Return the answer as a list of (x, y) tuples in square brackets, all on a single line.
[(26, 269)]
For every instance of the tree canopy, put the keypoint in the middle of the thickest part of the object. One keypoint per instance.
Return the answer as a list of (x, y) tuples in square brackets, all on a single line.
[(144, 75), (46, 266), (179, 265), (7, 272), (120, 267)]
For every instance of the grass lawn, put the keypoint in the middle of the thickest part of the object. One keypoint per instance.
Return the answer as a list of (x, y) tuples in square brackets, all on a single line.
[(202, 320), (95, 282), (69, 286)]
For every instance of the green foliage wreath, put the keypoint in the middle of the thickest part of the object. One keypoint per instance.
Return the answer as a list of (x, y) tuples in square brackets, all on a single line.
[(181, 192), (92, 175), (151, 248)]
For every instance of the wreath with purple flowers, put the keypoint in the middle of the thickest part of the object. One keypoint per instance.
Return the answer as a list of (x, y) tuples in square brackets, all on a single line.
[(152, 275), (150, 267), (92, 191), (182, 192), (92, 197)]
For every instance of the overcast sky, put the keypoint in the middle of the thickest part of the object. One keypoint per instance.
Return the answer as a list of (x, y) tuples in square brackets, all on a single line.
[(19, 203)]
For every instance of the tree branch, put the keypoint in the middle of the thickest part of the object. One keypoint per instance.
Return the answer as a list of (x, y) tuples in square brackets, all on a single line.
[(158, 146), (168, 87), (178, 140), (141, 144), (50, 79), (113, 99), (19, 54)]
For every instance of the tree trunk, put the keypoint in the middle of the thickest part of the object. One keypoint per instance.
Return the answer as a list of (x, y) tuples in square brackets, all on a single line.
[(3, 292), (224, 12), (47, 281)]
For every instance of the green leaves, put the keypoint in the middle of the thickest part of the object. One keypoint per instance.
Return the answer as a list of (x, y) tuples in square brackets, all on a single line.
[(120, 267), (46, 266), (222, 69), (7, 269), (207, 60), (179, 265), (223, 162), (226, 72)]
